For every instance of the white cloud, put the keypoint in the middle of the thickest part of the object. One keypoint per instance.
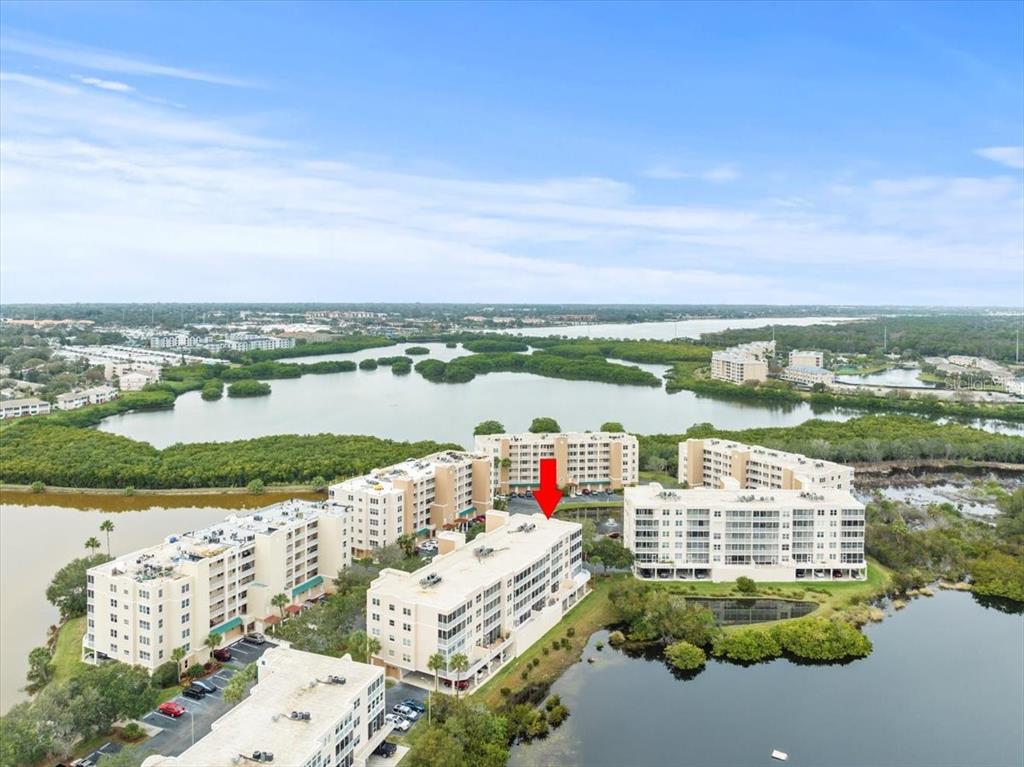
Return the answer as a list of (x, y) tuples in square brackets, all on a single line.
[(669, 172), (107, 85), (1011, 156), (107, 61), (116, 200)]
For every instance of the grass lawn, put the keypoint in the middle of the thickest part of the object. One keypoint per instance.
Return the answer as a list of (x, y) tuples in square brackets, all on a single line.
[(594, 612), (67, 657), (663, 479)]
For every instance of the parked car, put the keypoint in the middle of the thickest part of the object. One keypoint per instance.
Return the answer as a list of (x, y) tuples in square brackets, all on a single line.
[(206, 684), (405, 711), (414, 704), (386, 749), (170, 708), (614, 536), (194, 691), (401, 724), (254, 638), (462, 684), (223, 654)]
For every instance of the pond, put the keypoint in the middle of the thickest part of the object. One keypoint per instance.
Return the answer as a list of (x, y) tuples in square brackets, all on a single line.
[(943, 688), (905, 377), (741, 612)]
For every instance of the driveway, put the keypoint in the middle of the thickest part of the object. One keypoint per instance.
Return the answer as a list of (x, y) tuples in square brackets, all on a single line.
[(178, 733)]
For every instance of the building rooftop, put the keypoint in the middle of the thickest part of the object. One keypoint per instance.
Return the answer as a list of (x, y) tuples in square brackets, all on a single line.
[(289, 680), (792, 460), (510, 547), (382, 480), (163, 559), (575, 436), (656, 495), (12, 403)]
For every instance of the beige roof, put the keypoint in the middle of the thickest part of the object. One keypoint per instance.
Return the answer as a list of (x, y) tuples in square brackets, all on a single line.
[(655, 495)]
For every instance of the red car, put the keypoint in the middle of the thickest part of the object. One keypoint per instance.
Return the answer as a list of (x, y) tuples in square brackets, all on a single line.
[(223, 654), (170, 708)]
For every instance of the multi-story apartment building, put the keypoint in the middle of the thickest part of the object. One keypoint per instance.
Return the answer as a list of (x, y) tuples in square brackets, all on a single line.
[(767, 535), (807, 358), (418, 496), (94, 396), (489, 599), (597, 460), (306, 710), (245, 342), (717, 463), (807, 375), (746, 362), (218, 580), (15, 408)]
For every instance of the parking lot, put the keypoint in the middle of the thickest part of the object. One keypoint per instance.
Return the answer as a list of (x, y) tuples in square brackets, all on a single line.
[(178, 733)]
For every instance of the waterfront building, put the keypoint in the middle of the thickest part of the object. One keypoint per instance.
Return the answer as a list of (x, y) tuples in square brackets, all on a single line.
[(97, 395), (597, 460), (742, 363), (218, 580), (807, 375), (418, 496), (807, 358), (247, 342), (490, 599), (306, 710), (715, 463), (15, 408), (764, 534)]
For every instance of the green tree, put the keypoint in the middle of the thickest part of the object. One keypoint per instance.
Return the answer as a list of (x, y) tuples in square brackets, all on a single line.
[(212, 642), (407, 543), (280, 601), (107, 527), (437, 663), (544, 425), (612, 553), (130, 756), (685, 656), (23, 738), (256, 487), (67, 590), (613, 426), (92, 544), (745, 585), (319, 484), (40, 668), (178, 655), (459, 663), (488, 427), (238, 685)]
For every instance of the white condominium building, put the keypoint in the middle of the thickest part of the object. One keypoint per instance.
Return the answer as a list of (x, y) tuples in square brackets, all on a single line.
[(218, 580), (489, 599), (306, 710), (418, 496), (15, 408), (597, 460), (767, 535), (807, 375), (94, 396), (746, 362), (718, 463), (806, 358)]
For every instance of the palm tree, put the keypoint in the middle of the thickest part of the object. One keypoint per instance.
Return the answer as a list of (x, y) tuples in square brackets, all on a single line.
[(107, 527), (372, 647), (279, 601), (178, 655), (92, 544), (436, 663), (212, 642), (459, 663)]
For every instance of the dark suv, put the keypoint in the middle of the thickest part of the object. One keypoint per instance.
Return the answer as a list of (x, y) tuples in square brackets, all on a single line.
[(194, 691), (386, 749)]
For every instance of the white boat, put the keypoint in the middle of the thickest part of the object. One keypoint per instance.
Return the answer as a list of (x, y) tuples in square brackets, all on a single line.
[(782, 756)]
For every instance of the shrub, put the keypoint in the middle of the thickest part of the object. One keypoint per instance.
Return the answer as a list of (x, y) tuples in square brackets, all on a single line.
[(557, 715), (685, 656), (599, 645), (194, 672), (166, 674), (546, 651), (129, 490), (555, 644), (616, 638), (525, 673), (745, 585), (319, 484), (536, 661), (553, 701), (746, 646), (368, 364), (256, 487), (570, 632), (414, 351), (38, 487), (248, 388), (505, 692), (132, 732), (821, 639)]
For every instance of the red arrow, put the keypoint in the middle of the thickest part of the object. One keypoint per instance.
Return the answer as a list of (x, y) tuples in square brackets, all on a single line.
[(548, 495)]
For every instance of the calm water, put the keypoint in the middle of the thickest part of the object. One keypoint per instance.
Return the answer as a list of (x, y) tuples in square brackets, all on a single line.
[(58, 535), (741, 612), (669, 330), (891, 377), (944, 687)]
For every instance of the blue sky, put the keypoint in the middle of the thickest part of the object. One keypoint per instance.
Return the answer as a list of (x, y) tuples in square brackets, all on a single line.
[(807, 153)]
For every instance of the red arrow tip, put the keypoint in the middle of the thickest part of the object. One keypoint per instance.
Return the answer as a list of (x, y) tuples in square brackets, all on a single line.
[(547, 498)]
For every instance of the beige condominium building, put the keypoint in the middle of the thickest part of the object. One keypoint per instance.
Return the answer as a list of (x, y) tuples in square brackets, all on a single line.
[(807, 375), (306, 710), (597, 460), (746, 362), (219, 580), (489, 599), (764, 534), (716, 463), (418, 496), (807, 358)]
